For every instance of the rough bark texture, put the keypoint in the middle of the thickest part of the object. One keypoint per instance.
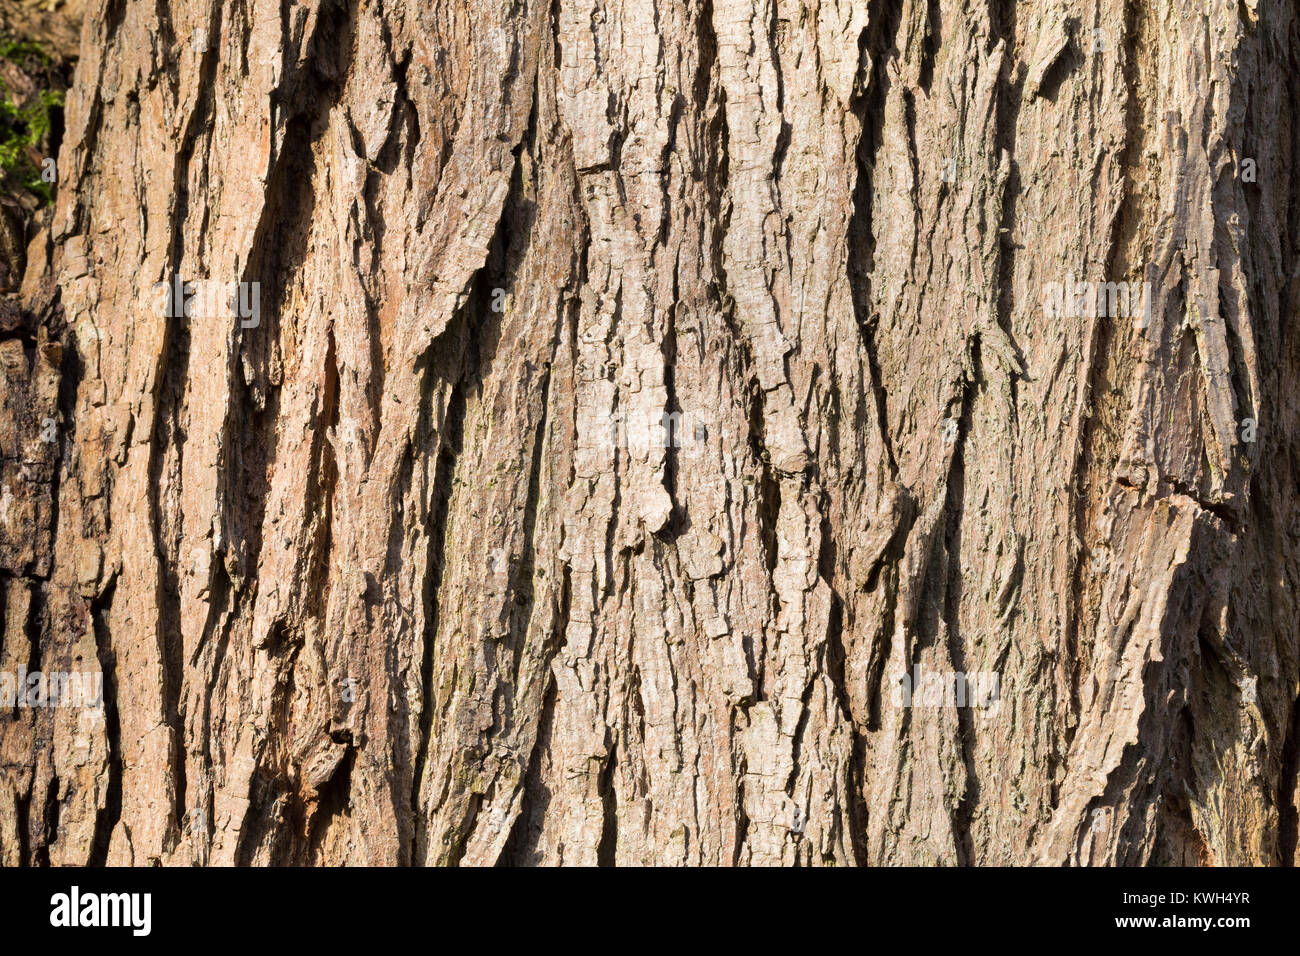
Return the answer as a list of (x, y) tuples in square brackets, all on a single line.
[(410, 571)]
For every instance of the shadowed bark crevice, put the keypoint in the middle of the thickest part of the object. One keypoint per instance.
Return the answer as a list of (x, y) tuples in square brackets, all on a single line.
[(641, 398)]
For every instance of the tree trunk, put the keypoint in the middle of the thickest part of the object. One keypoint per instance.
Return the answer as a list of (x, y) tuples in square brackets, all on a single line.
[(662, 433)]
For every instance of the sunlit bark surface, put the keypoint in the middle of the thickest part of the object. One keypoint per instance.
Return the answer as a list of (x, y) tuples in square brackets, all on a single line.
[(634, 417)]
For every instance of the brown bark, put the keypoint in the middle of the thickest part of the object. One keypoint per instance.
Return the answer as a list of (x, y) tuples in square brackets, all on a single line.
[(410, 570)]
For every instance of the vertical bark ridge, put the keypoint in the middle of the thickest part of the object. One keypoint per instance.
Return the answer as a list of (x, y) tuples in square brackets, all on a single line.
[(642, 398)]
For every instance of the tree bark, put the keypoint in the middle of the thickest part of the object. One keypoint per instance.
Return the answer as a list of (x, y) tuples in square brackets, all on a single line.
[(641, 400)]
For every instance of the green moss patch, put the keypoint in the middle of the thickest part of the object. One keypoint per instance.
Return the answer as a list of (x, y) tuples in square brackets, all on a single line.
[(25, 123)]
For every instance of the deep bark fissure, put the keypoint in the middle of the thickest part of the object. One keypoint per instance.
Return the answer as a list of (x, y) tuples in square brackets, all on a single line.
[(812, 248)]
